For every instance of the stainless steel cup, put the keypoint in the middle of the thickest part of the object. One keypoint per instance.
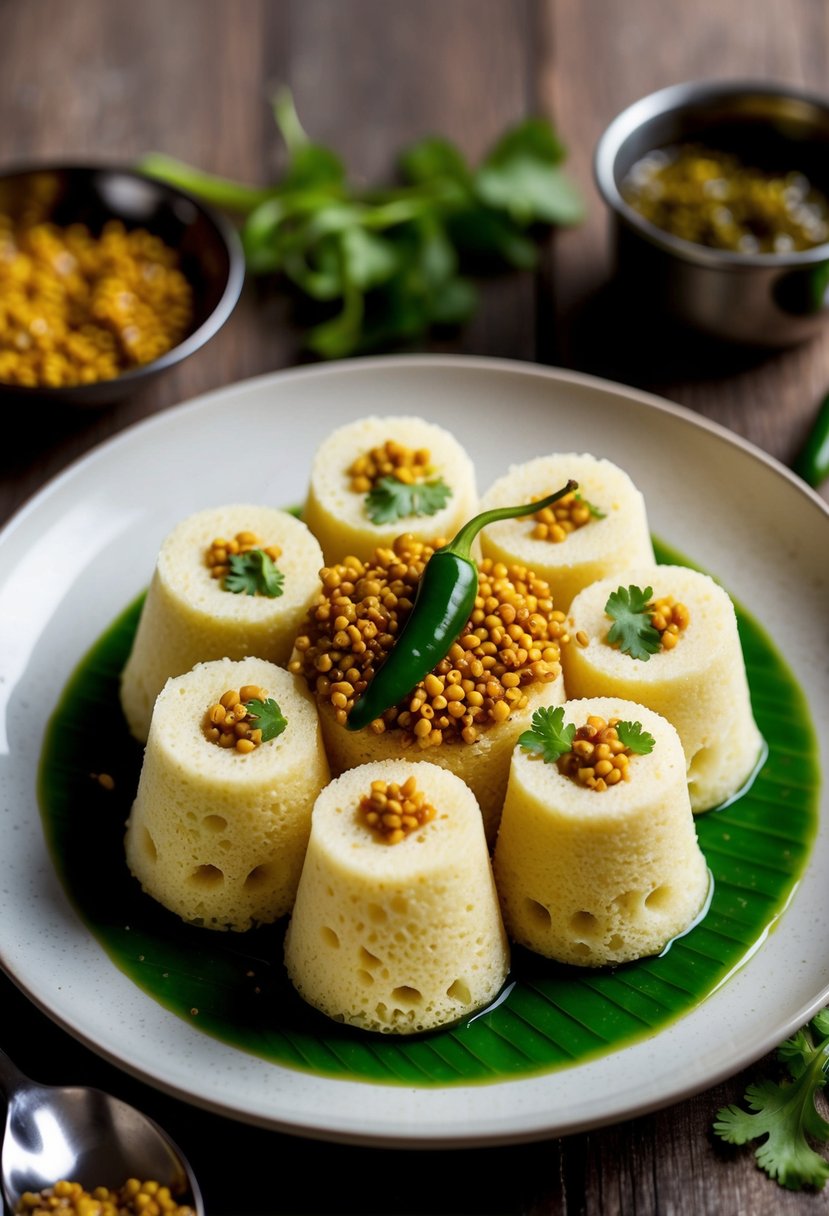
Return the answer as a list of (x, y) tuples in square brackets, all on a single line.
[(758, 299)]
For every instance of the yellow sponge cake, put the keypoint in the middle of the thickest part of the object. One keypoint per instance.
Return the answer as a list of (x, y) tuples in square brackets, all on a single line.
[(396, 927), (599, 529), (694, 676), (431, 478), (595, 870), (220, 822)]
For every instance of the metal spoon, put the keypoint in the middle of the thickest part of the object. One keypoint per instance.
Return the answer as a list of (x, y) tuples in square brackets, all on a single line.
[(83, 1135)]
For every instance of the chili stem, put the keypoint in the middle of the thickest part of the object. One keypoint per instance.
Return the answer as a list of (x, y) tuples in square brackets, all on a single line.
[(462, 541)]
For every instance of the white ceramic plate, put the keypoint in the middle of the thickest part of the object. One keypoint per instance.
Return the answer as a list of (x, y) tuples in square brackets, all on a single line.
[(80, 551)]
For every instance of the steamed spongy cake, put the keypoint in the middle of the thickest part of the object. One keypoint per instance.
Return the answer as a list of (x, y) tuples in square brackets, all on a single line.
[(597, 545), (188, 617), (594, 877), (404, 937), (483, 765), (217, 836), (336, 513), (699, 685)]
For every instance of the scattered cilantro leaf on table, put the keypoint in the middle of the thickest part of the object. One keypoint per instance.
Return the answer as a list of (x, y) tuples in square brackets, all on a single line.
[(635, 739), (386, 266), (269, 717), (253, 573), (785, 1113), (632, 629), (548, 735), (392, 499)]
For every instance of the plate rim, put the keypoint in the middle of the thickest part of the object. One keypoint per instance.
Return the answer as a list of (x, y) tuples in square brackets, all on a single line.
[(404, 362)]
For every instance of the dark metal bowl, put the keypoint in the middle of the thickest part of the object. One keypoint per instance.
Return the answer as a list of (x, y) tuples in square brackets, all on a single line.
[(209, 249), (759, 299)]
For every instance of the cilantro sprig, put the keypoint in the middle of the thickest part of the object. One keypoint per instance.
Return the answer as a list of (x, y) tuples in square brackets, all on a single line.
[(632, 630), (785, 1113), (635, 739), (268, 716), (548, 735), (391, 499), (379, 268), (253, 573), (550, 738)]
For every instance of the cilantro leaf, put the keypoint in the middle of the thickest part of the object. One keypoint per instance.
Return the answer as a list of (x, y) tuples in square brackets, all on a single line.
[(634, 738), (632, 628), (391, 499), (268, 716), (785, 1113), (254, 574), (548, 736), (592, 508), (522, 176)]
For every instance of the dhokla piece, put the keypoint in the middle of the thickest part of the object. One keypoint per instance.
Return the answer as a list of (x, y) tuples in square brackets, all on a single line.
[(482, 765), (397, 937), (699, 684), (218, 834), (354, 460), (591, 876), (189, 616), (466, 714), (600, 529)]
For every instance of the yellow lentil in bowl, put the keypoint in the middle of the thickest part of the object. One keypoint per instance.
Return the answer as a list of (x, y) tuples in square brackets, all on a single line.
[(107, 278), (76, 308)]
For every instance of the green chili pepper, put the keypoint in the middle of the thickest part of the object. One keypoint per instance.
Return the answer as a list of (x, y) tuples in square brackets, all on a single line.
[(812, 462), (443, 604)]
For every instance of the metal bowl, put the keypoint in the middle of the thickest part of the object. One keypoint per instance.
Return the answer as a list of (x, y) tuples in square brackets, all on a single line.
[(209, 250), (754, 299)]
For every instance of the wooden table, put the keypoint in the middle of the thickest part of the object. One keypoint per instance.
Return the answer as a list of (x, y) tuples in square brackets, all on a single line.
[(108, 80)]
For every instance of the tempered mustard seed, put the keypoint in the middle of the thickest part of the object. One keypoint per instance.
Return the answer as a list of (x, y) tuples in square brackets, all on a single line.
[(389, 459), (555, 523), (598, 759), (394, 811)]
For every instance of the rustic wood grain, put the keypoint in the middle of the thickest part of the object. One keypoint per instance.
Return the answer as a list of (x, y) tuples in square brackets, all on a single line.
[(110, 80)]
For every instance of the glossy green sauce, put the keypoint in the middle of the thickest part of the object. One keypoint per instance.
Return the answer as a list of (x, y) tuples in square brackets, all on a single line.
[(233, 986)]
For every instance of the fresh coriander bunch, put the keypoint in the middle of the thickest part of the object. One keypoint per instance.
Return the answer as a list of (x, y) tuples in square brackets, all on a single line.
[(387, 266)]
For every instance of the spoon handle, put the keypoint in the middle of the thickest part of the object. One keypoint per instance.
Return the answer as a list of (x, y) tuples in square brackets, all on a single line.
[(11, 1078)]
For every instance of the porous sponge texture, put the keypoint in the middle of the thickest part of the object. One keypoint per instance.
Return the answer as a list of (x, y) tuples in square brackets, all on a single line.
[(592, 877), (216, 836), (189, 618), (482, 765), (397, 938), (700, 685), (337, 515), (604, 545)]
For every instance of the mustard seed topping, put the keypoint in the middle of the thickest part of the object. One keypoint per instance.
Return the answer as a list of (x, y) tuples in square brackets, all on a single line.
[(221, 549), (598, 759), (512, 640), (390, 459), (555, 523), (394, 811), (228, 723), (134, 1198), (669, 618)]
